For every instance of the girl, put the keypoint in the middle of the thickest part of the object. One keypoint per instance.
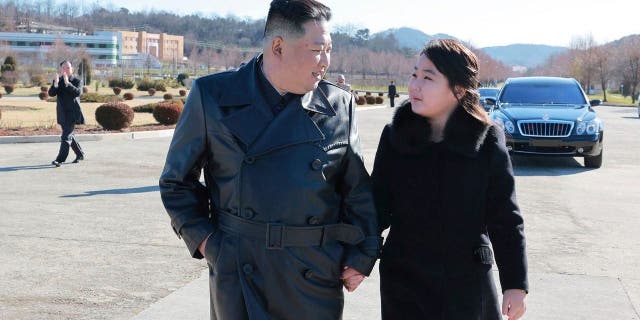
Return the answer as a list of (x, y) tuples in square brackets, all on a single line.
[(443, 182)]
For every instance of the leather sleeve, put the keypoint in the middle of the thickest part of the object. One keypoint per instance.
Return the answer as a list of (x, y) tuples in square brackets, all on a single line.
[(358, 203), (183, 195)]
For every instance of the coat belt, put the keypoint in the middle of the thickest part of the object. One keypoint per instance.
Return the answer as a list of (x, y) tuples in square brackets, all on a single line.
[(278, 235)]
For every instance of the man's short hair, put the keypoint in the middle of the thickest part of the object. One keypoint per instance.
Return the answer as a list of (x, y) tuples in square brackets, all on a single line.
[(286, 17), (63, 62)]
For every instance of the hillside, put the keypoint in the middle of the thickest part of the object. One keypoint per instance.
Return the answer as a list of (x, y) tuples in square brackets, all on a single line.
[(527, 55)]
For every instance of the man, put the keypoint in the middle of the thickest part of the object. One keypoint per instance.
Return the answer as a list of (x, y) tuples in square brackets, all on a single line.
[(392, 93), (68, 89), (286, 217), (343, 84)]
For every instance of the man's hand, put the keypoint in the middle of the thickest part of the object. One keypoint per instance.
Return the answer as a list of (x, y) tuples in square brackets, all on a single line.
[(65, 77), (55, 81), (351, 278), (513, 303), (203, 245)]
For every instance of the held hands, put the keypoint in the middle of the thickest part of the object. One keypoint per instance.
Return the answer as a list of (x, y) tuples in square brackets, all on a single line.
[(56, 80), (351, 278), (513, 303), (65, 77)]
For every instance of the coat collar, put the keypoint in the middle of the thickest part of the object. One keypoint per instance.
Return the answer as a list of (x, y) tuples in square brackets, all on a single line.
[(463, 134), (255, 126)]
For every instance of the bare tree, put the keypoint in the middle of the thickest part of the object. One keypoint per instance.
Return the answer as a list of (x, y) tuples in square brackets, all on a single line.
[(602, 63)]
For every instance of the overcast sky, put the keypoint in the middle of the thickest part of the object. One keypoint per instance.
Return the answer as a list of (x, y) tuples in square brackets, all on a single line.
[(482, 23)]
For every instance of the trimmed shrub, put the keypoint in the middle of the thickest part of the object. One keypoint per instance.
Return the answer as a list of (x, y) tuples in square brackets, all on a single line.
[(167, 113), (114, 116), (182, 93), (117, 90), (160, 86), (380, 94), (85, 90), (38, 80), (368, 93), (168, 96), (128, 96), (370, 99), (8, 88), (95, 97), (145, 84), (43, 95), (146, 108), (44, 89), (360, 100), (379, 100), (151, 91), (122, 83)]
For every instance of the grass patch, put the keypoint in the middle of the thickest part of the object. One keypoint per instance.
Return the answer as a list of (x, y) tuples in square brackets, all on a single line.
[(613, 98)]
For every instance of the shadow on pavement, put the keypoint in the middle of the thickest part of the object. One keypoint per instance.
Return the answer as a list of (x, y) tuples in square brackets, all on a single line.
[(114, 191), (28, 167), (547, 166)]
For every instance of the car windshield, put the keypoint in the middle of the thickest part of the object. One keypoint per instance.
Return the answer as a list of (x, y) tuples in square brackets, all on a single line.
[(489, 92), (542, 93)]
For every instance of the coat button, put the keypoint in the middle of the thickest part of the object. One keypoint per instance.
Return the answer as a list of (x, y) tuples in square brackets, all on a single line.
[(247, 268), (250, 160), (316, 164), (248, 213), (313, 221), (308, 274)]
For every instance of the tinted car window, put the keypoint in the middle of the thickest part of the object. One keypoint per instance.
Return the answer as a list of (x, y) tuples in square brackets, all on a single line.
[(542, 93), (489, 92)]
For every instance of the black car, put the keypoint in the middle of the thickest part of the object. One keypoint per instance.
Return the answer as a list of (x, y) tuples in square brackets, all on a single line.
[(549, 116), (486, 92)]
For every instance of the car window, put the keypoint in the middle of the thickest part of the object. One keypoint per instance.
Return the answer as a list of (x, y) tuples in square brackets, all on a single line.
[(542, 93), (486, 92)]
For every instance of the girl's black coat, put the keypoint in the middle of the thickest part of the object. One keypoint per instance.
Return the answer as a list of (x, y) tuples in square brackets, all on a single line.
[(446, 203)]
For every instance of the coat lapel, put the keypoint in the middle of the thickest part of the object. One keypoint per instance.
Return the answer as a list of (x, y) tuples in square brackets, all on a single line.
[(246, 112), (294, 125)]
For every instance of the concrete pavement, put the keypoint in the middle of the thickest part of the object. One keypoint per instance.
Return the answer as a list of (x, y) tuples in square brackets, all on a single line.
[(92, 240)]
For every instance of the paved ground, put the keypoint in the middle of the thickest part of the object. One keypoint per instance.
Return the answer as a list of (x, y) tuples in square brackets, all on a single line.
[(92, 240)]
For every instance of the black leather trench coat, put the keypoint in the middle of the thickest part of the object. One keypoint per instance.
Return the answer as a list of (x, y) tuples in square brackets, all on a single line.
[(68, 102), (300, 169)]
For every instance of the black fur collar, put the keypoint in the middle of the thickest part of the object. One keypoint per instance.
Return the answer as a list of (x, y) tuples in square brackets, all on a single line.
[(463, 134)]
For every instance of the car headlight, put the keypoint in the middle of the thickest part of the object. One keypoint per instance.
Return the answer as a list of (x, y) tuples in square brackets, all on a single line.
[(589, 127), (505, 124)]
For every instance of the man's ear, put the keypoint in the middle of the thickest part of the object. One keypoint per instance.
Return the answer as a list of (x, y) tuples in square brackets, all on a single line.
[(276, 46)]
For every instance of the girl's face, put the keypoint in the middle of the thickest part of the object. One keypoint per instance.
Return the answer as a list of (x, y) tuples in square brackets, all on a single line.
[(429, 91)]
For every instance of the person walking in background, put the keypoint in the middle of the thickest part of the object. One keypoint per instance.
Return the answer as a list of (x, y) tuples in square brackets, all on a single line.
[(286, 217), (68, 89), (342, 83), (392, 93), (443, 182)]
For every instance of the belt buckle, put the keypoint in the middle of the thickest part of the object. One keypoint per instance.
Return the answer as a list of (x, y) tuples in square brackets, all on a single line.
[(275, 236)]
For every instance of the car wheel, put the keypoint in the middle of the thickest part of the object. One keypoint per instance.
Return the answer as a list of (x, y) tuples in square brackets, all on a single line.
[(594, 162)]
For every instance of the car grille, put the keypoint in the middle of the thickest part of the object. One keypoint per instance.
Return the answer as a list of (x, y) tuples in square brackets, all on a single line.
[(550, 129)]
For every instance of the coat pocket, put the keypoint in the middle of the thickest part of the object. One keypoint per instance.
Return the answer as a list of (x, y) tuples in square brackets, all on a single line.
[(483, 255), (212, 248)]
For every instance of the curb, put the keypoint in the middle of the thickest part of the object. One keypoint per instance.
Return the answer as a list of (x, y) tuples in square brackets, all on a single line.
[(89, 137)]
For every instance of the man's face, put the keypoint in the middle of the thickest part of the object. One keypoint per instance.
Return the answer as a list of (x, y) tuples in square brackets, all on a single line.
[(306, 59), (66, 68), (340, 79)]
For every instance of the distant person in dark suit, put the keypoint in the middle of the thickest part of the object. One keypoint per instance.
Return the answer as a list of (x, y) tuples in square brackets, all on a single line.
[(68, 89), (392, 93)]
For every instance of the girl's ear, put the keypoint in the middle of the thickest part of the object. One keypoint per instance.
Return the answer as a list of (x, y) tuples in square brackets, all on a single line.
[(459, 92)]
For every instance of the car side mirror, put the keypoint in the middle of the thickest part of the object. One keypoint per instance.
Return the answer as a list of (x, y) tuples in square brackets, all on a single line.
[(490, 101), (595, 102)]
